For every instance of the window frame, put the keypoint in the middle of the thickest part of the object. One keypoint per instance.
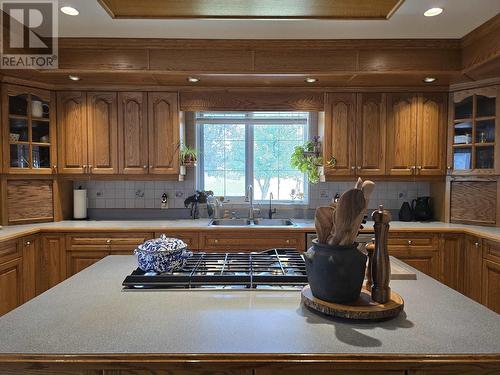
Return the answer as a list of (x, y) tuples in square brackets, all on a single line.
[(249, 121)]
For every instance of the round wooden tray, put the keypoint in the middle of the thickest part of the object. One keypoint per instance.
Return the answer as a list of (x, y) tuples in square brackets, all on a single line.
[(362, 309)]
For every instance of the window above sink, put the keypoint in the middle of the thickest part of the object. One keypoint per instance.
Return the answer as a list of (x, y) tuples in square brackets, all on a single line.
[(238, 149)]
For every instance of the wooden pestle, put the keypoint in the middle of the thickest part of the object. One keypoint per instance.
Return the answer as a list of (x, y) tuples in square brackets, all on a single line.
[(381, 266)]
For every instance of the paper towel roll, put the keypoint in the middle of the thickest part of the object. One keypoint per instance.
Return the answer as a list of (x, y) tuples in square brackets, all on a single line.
[(80, 204)]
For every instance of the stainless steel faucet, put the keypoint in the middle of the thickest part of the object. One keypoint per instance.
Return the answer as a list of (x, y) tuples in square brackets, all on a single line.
[(272, 210), (250, 199)]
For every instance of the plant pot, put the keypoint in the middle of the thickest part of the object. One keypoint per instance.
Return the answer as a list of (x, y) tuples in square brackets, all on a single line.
[(335, 273)]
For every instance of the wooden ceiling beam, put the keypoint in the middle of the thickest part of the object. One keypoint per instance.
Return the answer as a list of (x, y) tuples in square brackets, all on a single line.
[(251, 9)]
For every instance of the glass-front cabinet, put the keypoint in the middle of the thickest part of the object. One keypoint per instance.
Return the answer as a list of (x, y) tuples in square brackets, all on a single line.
[(474, 132), (28, 130)]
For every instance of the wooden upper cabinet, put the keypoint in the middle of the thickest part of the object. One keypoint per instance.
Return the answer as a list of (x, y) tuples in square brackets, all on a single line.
[(72, 132), (431, 134), (163, 127), (132, 133), (102, 132), (370, 134), (401, 134), (340, 133), (29, 131)]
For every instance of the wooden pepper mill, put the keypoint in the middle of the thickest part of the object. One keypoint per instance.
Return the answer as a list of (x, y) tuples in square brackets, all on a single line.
[(381, 266), (370, 248)]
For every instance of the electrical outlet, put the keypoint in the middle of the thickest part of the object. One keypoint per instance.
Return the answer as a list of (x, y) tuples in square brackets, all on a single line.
[(324, 194)]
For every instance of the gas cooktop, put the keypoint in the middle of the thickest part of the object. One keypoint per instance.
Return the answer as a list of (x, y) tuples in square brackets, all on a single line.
[(275, 269)]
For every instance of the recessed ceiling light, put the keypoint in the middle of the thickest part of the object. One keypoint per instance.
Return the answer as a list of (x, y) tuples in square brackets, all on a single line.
[(433, 12), (70, 11), (311, 80), (73, 78), (429, 79), (193, 79)]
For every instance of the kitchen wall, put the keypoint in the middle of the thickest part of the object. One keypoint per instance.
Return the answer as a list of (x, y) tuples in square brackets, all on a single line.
[(104, 195)]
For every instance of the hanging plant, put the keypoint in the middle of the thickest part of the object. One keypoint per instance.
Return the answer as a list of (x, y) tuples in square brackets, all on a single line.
[(307, 159), (188, 155)]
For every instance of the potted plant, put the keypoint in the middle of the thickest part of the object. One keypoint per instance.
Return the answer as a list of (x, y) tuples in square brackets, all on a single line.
[(307, 159), (188, 156)]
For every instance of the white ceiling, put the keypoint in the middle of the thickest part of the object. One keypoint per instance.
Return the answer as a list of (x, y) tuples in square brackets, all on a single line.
[(459, 18)]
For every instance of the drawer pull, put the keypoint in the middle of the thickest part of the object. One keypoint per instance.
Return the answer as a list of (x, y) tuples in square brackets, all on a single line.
[(216, 241), (28, 243), (410, 242), (287, 241), (108, 242), (476, 244)]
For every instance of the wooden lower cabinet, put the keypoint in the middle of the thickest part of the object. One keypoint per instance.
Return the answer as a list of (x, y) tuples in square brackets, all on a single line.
[(30, 248), (420, 251), (77, 261), (51, 268), (452, 260), (491, 285), (473, 265), (11, 276), (190, 238), (221, 241)]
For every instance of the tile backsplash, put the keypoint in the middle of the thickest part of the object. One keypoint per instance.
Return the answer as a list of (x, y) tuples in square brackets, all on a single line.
[(147, 194), (390, 194)]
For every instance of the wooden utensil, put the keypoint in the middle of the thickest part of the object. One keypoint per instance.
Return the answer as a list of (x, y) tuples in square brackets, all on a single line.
[(347, 218), (323, 221)]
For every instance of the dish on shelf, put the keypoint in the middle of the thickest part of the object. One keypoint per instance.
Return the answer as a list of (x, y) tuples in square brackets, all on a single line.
[(14, 137)]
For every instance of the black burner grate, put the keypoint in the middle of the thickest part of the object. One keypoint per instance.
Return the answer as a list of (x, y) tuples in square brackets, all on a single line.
[(275, 267)]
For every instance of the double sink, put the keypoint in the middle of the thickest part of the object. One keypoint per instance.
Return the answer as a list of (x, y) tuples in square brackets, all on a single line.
[(251, 223)]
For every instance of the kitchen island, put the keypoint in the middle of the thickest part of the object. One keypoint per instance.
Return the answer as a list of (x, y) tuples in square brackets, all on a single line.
[(87, 324)]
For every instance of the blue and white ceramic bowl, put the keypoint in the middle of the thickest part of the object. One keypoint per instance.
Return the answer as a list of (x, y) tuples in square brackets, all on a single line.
[(162, 254)]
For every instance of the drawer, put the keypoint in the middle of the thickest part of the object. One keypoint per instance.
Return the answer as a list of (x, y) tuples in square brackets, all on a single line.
[(399, 241), (491, 250), (10, 250), (249, 242), (106, 242), (190, 238)]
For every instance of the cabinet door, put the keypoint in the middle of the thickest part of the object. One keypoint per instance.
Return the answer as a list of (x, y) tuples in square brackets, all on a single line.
[(473, 268), (103, 132), (431, 134), (163, 127), (132, 133), (401, 134), (491, 285), (11, 285), (340, 133), (79, 260), (72, 132), (51, 264), (452, 258), (30, 250), (370, 134)]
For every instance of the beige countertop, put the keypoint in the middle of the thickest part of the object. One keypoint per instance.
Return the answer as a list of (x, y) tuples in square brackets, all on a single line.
[(16, 231)]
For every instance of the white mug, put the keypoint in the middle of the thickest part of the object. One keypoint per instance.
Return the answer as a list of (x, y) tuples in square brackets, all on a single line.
[(37, 108)]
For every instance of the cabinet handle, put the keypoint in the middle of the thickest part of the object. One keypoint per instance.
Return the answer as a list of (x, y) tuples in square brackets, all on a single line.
[(476, 244), (410, 242), (448, 167), (150, 166), (287, 241), (54, 167), (108, 242), (28, 243), (216, 241), (353, 168), (145, 167), (359, 167), (90, 168), (84, 168)]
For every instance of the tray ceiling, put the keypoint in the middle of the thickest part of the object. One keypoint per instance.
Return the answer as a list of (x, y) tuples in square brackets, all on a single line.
[(272, 9), (458, 18)]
